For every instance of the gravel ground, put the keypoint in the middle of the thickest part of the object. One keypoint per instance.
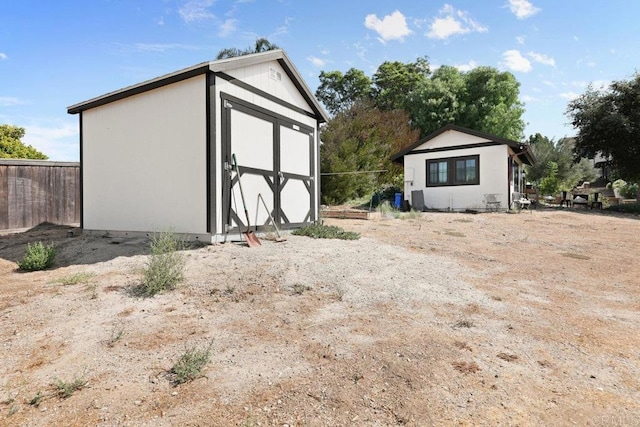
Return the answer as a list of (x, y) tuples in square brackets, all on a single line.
[(428, 319)]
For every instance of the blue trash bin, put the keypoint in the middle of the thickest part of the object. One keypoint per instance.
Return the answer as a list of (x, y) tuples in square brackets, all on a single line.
[(397, 202)]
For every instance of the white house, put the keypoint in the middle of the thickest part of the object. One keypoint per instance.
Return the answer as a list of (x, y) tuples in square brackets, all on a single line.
[(158, 155), (462, 169)]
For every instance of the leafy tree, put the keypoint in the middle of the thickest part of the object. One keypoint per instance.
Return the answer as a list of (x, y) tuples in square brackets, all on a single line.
[(492, 103), (550, 184), (484, 99), (393, 81), (437, 101), (261, 45), (567, 170), (12, 148), (608, 122), (361, 139), (340, 92)]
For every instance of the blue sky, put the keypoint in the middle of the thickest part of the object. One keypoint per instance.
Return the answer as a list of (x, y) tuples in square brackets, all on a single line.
[(56, 53)]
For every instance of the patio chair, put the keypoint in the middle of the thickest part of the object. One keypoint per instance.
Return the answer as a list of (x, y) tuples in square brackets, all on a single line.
[(492, 202), (520, 202)]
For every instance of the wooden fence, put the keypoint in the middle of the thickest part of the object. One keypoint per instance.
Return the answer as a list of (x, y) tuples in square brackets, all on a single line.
[(37, 191)]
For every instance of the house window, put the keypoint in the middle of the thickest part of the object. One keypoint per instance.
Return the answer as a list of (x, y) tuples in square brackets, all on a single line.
[(453, 171), (438, 172)]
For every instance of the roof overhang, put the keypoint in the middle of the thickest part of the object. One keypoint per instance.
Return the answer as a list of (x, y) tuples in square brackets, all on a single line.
[(221, 66), (522, 150)]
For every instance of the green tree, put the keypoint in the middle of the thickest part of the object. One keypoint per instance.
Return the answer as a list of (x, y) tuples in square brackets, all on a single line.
[(393, 81), (567, 171), (483, 99), (357, 140), (608, 122), (339, 92), (11, 146), (492, 103), (437, 101), (261, 45)]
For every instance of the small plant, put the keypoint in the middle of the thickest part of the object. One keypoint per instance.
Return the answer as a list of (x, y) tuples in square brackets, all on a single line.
[(466, 367), (464, 323), (340, 292), (165, 268), (507, 357), (190, 364), (321, 231), (75, 279), (117, 332), (299, 288), (462, 345), (37, 257), (37, 399), (66, 389)]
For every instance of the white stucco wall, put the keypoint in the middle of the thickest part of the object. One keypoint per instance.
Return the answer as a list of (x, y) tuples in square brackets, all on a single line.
[(494, 176), (144, 161)]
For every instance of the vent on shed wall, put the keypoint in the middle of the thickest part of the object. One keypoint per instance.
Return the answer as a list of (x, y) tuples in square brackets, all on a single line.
[(275, 74)]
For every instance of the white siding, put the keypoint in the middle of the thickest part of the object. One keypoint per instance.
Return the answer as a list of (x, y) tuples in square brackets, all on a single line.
[(258, 76), (494, 177), (144, 161)]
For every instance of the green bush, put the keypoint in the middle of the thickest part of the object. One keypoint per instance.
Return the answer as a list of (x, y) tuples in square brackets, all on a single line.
[(37, 257), (321, 231), (626, 189), (190, 364), (165, 268), (627, 209)]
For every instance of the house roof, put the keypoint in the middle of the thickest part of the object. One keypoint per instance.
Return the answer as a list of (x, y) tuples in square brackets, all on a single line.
[(217, 66), (522, 150)]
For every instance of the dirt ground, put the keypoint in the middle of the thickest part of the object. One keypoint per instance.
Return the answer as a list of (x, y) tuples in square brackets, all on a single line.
[(428, 319)]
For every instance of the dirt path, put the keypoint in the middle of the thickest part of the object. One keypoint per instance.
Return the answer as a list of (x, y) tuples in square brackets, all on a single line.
[(433, 319)]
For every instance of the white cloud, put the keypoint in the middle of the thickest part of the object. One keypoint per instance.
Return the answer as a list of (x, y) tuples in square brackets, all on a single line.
[(59, 142), (528, 98), (514, 61), (228, 27), (521, 39), (542, 58), (453, 22), (196, 10), (3, 56), (467, 67), (318, 62), (391, 27), (569, 96), (522, 8), (9, 102)]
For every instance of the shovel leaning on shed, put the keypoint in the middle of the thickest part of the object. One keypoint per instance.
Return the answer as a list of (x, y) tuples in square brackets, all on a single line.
[(250, 236)]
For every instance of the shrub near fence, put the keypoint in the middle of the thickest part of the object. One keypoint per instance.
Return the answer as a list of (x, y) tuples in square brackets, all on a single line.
[(37, 191)]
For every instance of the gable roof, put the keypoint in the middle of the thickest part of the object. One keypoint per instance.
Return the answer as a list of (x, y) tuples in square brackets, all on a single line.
[(217, 66), (521, 149)]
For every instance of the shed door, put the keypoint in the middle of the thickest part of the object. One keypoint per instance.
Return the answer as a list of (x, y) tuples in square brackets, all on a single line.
[(275, 158)]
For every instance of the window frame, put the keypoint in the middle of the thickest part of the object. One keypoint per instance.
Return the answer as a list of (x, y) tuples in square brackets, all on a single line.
[(451, 171)]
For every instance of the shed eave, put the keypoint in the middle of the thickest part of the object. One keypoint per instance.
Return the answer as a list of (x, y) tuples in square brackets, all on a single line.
[(220, 65)]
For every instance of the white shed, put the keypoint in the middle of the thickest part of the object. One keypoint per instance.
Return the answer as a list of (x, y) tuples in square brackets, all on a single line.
[(158, 155), (462, 169)]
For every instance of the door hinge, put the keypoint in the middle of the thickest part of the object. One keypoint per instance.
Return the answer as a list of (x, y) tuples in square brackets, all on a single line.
[(227, 228), (227, 104), (227, 166)]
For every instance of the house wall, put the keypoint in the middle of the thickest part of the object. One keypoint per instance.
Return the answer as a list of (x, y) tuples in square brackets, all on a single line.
[(494, 178), (258, 76), (144, 161)]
